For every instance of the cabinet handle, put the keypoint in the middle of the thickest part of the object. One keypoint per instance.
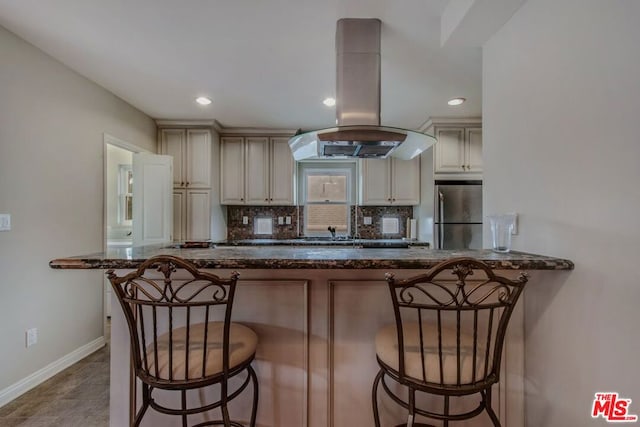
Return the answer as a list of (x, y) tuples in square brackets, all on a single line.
[(187, 184), (393, 200), (182, 184), (271, 200), (241, 199), (266, 200)]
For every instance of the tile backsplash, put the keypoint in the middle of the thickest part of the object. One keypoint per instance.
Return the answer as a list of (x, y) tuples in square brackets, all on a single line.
[(377, 214), (237, 230)]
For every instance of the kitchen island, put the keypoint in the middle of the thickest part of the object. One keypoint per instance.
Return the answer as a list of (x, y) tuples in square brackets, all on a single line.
[(316, 311)]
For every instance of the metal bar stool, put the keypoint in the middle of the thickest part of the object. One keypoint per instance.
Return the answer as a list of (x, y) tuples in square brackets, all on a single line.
[(182, 337), (447, 338)]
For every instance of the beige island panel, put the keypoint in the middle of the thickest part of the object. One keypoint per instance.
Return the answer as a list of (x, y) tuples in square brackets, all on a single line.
[(316, 311)]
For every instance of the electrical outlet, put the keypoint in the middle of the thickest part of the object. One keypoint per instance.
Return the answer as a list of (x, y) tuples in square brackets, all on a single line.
[(5, 222), (245, 220), (31, 336), (367, 220)]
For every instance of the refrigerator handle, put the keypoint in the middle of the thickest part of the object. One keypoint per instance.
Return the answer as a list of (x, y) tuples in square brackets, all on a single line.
[(441, 218)]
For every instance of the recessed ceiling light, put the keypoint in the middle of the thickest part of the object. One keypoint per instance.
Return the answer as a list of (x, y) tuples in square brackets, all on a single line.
[(203, 100), (456, 101), (329, 102)]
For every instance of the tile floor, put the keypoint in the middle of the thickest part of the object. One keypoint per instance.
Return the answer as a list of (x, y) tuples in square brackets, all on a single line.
[(77, 396)]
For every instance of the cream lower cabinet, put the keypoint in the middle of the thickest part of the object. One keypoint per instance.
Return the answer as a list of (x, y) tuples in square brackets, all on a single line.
[(390, 181), (256, 171), (191, 215), (458, 150)]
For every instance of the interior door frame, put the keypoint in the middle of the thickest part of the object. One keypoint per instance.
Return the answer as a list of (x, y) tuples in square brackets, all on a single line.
[(120, 143)]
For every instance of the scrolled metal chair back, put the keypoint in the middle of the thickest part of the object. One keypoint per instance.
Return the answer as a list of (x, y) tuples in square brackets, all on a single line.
[(452, 320), (161, 301)]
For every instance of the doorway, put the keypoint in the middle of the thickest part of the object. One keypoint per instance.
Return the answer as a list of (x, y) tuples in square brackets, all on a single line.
[(118, 200)]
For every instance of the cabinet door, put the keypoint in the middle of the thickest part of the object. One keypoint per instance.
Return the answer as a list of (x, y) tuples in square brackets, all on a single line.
[(375, 182), (257, 171), (198, 215), (172, 143), (198, 158), (474, 150), (232, 171), (179, 220), (405, 181), (282, 172), (449, 150)]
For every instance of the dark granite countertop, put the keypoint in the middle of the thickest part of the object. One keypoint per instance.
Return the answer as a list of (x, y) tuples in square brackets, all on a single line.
[(305, 257), (313, 241)]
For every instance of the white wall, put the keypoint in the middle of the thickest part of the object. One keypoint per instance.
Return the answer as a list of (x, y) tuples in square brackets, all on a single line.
[(51, 182), (561, 102)]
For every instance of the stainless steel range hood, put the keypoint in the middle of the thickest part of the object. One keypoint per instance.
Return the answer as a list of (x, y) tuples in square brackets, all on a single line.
[(358, 133)]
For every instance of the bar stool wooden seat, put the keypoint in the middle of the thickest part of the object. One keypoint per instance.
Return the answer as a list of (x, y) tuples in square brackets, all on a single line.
[(182, 338), (447, 338)]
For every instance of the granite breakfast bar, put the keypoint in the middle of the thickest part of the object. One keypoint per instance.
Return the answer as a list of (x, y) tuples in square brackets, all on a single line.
[(316, 310)]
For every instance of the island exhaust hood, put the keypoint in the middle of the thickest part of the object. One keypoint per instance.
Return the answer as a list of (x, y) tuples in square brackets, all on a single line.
[(358, 134)]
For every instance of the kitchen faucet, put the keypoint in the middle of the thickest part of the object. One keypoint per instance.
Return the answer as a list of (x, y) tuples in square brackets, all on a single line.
[(332, 230)]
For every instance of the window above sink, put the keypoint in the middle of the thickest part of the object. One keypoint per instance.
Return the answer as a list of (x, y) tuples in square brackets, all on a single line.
[(326, 195)]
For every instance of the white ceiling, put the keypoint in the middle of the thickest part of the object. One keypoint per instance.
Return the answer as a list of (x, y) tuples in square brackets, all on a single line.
[(264, 63)]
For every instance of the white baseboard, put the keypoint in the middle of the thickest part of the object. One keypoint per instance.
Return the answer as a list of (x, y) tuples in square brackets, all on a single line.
[(41, 375)]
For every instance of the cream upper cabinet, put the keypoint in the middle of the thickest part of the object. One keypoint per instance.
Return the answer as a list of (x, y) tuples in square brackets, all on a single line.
[(473, 138), (256, 171), (390, 182), (281, 179), (458, 150), (191, 152), (232, 171)]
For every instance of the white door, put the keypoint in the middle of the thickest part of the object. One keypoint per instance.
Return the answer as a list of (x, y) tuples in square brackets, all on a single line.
[(152, 199)]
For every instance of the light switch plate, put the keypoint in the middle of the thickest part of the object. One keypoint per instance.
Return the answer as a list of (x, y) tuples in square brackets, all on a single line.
[(367, 220), (245, 220), (5, 222), (287, 220), (280, 220)]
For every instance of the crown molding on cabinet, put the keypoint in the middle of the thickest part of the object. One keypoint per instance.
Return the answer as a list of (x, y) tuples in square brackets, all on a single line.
[(225, 131), (431, 121), (244, 131), (164, 123)]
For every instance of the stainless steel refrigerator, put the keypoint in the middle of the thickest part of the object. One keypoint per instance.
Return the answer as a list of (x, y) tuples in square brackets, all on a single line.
[(458, 215)]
